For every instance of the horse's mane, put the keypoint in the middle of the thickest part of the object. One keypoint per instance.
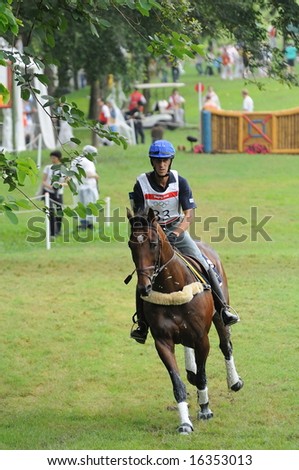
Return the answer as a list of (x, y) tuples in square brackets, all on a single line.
[(147, 219)]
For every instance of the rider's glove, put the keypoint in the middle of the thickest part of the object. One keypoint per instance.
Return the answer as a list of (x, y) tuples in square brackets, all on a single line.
[(172, 238)]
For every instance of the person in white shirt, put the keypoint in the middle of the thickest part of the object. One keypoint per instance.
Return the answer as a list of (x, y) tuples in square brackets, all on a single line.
[(214, 97), (176, 106), (248, 105), (87, 187)]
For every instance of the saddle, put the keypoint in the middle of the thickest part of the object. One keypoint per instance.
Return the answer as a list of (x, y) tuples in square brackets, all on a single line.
[(198, 269)]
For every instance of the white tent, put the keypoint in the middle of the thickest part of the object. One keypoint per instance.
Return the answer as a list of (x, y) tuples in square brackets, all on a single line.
[(121, 125), (43, 120)]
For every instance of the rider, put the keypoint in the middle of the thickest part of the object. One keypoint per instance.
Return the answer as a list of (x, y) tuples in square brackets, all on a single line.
[(170, 196)]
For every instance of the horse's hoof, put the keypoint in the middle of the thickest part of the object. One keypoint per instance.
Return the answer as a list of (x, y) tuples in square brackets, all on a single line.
[(205, 415), (185, 429), (238, 385)]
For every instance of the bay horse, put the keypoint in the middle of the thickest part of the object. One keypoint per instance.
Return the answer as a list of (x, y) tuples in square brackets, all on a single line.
[(179, 310)]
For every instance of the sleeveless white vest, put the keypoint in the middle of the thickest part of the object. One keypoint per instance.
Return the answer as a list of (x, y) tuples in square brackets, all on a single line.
[(164, 204)]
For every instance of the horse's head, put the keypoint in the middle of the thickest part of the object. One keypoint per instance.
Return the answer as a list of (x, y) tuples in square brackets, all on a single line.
[(145, 246)]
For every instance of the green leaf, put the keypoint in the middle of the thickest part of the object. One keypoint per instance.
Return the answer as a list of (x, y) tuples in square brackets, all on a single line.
[(11, 216), (198, 48), (4, 94), (75, 140), (42, 78), (12, 206), (143, 6), (94, 30), (94, 208), (49, 98), (25, 94), (23, 203), (21, 175), (104, 23), (72, 186), (50, 39), (81, 210), (69, 212)]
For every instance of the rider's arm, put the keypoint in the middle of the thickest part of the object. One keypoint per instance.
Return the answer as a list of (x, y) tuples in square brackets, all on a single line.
[(187, 204), (185, 222)]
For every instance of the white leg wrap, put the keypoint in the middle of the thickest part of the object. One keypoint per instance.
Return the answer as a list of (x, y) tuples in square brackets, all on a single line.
[(190, 363), (202, 396), (184, 413), (231, 372)]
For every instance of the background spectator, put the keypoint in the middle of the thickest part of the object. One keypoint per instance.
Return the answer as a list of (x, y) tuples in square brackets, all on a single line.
[(137, 102), (56, 194), (176, 105), (157, 132), (248, 105), (213, 97), (290, 55), (88, 187), (104, 112)]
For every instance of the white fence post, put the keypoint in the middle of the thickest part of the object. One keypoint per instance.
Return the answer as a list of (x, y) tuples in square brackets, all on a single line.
[(48, 235), (39, 151), (107, 211)]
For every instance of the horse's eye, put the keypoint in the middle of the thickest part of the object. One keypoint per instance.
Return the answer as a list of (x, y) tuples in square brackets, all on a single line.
[(154, 244)]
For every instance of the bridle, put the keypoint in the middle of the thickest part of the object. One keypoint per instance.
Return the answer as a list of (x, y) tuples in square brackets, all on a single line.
[(157, 267)]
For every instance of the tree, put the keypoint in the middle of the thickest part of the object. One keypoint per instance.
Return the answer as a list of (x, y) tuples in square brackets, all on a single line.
[(144, 27)]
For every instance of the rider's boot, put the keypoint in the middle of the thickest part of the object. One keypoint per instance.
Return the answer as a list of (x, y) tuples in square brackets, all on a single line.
[(221, 306), (140, 333)]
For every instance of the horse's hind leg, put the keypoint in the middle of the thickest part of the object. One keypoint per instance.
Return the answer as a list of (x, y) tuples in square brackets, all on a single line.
[(166, 353), (234, 382)]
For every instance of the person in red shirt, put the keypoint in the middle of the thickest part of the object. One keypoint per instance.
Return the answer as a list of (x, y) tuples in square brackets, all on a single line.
[(225, 65), (137, 100)]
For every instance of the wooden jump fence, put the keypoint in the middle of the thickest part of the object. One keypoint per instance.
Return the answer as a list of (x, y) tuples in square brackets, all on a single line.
[(237, 132)]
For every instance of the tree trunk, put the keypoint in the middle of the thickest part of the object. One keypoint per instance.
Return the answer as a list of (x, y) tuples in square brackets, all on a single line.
[(93, 106), (94, 96)]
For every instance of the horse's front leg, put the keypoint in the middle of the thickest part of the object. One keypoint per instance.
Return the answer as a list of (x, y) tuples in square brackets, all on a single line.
[(201, 352), (166, 353)]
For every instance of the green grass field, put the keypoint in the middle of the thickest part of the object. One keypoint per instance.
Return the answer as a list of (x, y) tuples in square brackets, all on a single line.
[(71, 378)]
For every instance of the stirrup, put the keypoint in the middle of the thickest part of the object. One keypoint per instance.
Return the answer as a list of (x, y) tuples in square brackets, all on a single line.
[(228, 317), (139, 335), (135, 318)]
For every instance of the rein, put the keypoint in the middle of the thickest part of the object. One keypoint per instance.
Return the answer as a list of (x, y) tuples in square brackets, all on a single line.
[(160, 269), (157, 268), (192, 268)]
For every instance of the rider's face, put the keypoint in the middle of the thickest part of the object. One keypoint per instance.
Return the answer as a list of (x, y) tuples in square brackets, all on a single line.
[(161, 166)]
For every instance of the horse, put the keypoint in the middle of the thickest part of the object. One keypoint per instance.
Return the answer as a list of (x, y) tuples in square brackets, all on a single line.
[(179, 309)]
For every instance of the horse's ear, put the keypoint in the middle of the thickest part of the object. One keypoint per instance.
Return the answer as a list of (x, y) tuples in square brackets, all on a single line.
[(151, 216), (129, 214)]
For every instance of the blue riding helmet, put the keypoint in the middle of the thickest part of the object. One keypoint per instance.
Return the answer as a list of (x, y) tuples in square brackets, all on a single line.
[(161, 149)]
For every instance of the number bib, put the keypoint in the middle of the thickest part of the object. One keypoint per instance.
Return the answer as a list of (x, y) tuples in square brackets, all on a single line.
[(164, 204)]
